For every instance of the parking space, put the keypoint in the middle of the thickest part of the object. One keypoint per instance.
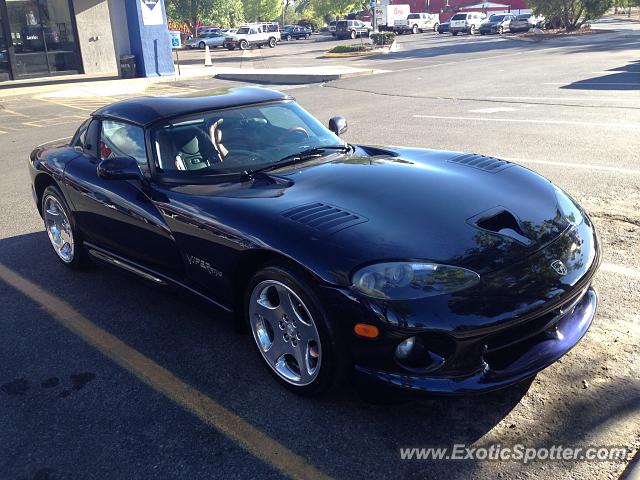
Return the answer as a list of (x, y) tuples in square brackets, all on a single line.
[(107, 377)]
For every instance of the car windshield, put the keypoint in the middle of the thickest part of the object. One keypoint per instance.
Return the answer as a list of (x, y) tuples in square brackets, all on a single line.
[(459, 16), (239, 139), (524, 17), (496, 18), (243, 30)]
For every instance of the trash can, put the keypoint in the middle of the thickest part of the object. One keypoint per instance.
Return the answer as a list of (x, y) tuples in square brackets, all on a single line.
[(128, 67)]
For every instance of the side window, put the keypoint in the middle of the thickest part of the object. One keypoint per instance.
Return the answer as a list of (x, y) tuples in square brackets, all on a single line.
[(118, 139)]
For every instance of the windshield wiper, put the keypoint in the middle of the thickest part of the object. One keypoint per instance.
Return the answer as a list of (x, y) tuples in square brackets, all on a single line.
[(294, 158)]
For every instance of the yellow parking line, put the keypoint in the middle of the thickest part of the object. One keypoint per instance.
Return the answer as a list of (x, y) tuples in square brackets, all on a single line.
[(206, 409)]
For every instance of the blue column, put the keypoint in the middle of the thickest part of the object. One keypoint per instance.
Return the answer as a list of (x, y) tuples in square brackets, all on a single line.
[(149, 37)]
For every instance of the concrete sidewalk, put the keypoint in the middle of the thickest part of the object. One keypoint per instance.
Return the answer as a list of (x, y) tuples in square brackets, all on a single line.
[(290, 76)]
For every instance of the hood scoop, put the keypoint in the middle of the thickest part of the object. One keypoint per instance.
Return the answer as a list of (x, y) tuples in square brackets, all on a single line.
[(323, 218), (501, 221), (488, 164)]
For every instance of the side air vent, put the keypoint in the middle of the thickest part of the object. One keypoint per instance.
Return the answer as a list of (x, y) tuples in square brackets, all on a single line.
[(323, 218), (488, 164)]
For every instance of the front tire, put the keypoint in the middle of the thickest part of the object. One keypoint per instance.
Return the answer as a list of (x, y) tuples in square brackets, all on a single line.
[(244, 45), (292, 332), (472, 30), (353, 34), (61, 230), (201, 45), (272, 42), (414, 29), (454, 33), (435, 27)]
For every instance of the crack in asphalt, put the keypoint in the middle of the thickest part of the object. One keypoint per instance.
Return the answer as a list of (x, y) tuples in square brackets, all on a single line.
[(471, 99)]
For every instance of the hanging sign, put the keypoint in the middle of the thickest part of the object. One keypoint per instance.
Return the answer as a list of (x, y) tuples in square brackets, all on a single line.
[(151, 12)]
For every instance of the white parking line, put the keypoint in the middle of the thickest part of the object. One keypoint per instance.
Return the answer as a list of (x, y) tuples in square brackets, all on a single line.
[(620, 269), (571, 99), (586, 166), (493, 110), (615, 125)]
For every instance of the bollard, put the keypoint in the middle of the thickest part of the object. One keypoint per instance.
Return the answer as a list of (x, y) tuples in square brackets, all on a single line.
[(207, 57)]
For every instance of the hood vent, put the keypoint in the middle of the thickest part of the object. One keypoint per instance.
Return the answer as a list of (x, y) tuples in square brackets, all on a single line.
[(502, 222), (323, 217), (488, 164)]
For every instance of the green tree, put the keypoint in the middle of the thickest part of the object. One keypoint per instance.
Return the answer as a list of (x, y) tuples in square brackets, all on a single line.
[(570, 14), (335, 7), (262, 10), (228, 13)]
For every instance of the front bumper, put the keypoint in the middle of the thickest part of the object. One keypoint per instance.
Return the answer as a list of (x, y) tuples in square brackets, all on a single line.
[(547, 346), (516, 322)]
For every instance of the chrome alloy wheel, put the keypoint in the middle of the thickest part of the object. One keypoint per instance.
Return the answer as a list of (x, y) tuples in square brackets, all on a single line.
[(285, 332), (58, 229)]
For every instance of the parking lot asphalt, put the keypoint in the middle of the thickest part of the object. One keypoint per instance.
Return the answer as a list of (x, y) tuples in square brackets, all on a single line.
[(104, 376)]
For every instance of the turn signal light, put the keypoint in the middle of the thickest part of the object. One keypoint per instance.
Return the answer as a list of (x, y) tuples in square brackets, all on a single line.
[(366, 330)]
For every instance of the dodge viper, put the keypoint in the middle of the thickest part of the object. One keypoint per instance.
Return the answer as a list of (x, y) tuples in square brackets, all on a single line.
[(429, 270)]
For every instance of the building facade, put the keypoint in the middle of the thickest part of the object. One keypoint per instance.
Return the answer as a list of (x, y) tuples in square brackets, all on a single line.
[(43, 38)]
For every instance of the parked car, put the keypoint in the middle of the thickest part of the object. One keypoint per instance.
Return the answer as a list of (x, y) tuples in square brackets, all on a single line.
[(352, 29), (249, 36), (443, 27), (229, 31), (332, 28), (211, 40), (468, 22), (207, 30), (246, 200), (417, 22), (497, 23), (295, 32), (525, 22)]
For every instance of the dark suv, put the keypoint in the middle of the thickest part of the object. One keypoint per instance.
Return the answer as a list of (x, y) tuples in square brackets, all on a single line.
[(295, 31), (352, 29)]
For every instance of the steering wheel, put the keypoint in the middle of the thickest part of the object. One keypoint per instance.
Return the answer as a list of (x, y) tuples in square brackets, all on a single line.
[(237, 155), (291, 131)]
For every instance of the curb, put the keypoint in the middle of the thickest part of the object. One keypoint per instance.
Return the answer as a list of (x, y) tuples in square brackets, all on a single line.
[(289, 78), (632, 472)]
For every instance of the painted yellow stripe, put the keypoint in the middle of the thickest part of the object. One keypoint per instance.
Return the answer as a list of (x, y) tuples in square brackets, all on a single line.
[(209, 411)]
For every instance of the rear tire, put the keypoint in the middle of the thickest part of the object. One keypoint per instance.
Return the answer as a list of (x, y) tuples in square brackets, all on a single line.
[(272, 42), (280, 306), (414, 29), (472, 30), (201, 45), (352, 34), (454, 33), (435, 27)]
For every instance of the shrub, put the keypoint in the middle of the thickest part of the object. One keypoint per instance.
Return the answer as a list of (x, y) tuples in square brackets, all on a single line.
[(383, 38), (348, 48)]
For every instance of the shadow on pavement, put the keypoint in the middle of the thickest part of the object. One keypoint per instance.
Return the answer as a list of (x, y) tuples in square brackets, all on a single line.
[(626, 77), (180, 333)]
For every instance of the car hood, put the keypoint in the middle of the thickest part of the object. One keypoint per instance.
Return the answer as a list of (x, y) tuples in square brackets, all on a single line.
[(451, 208)]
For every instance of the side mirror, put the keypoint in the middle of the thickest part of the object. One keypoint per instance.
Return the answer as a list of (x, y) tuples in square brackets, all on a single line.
[(338, 125), (119, 168)]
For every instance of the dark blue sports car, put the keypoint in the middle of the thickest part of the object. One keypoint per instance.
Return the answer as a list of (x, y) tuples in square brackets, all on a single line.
[(430, 270)]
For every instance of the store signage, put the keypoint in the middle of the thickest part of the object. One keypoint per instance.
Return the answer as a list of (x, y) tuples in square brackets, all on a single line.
[(151, 12)]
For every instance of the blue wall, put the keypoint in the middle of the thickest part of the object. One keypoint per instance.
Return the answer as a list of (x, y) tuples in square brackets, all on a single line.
[(149, 43)]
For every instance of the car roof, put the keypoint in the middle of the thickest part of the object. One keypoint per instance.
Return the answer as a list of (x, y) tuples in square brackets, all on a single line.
[(144, 111)]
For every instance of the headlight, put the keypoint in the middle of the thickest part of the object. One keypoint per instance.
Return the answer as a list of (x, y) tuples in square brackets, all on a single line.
[(568, 207), (410, 280)]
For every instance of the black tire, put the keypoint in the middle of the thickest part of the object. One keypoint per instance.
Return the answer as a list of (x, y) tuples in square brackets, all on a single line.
[(352, 35), (500, 30), (435, 27), (454, 33), (201, 45), (307, 36), (80, 258), (244, 45), (272, 42), (472, 30), (334, 360), (482, 33), (231, 47), (414, 29), (287, 38)]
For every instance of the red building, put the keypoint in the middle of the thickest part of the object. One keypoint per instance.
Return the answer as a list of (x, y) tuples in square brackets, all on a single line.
[(446, 8)]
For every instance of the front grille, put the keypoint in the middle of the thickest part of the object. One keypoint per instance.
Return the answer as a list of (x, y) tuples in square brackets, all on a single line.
[(323, 218), (488, 164)]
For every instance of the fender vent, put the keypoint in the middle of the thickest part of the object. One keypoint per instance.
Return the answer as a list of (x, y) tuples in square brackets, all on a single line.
[(323, 218), (488, 164)]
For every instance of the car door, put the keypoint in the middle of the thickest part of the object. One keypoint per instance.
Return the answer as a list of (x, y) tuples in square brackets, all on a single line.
[(118, 215)]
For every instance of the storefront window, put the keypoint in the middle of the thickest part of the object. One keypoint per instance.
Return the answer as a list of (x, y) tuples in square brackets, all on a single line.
[(41, 33), (4, 54)]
